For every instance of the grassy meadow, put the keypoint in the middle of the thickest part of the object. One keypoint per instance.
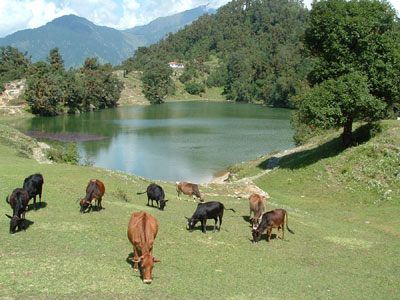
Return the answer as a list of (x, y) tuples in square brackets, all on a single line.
[(346, 243)]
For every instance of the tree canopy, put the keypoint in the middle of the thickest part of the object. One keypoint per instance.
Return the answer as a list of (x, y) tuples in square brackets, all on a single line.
[(13, 65), (355, 76)]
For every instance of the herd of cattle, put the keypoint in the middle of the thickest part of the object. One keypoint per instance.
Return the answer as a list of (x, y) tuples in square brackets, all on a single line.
[(143, 227)]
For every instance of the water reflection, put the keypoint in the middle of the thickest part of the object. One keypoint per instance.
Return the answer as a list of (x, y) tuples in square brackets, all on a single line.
[(175, 141)]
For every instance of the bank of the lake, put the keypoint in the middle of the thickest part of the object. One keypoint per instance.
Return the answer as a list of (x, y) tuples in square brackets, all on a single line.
[(177, 141)]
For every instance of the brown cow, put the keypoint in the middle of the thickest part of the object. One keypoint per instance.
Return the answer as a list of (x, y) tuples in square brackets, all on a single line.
[(189, 189), (142, 231), (257, 206), (19, 203), (272, 219), (94, 191)]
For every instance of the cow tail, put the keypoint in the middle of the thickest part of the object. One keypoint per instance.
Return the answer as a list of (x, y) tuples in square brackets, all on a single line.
[(287, 226), (138, 193), (230, 209)]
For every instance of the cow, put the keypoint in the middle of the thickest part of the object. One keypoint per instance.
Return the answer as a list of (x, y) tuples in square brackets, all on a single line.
[(155, 193), (19, 203), (142, 231), (272, 219), (33, 185), (257, 206), (208, 210), (190, 189), (94, 192)]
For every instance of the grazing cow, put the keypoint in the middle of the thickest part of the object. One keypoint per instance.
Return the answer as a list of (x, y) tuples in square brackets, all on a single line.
[(19, 202), (142, 231), (33, 185), (94, 192), (257, 206), (155, 193), (190, 189), (272, 219), (207, 210)]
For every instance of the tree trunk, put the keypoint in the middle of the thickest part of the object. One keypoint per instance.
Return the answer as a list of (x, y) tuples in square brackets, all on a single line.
[(347, 136)]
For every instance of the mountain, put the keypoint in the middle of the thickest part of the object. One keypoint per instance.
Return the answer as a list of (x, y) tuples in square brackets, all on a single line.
[(77, 38), (157, 29)]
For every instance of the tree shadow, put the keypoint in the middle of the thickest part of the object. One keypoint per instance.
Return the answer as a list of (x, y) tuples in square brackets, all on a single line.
[(39, 205), (331, 148)]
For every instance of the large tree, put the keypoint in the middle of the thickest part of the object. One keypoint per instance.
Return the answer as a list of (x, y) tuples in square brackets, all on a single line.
[(351, 42), (156, 80), (13, 65)]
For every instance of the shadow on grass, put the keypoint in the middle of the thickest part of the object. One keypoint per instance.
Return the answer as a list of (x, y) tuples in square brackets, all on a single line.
[(39, 205), (331, 148), (137, 274), (209, 228)]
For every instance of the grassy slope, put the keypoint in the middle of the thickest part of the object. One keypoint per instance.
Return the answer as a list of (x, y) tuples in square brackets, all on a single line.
[(342, 249)]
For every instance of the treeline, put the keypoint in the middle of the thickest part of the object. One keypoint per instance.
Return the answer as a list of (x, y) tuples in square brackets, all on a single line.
[(52, 90), (257, 45)]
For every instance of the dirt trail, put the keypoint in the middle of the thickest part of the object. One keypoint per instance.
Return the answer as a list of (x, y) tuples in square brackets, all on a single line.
[(244, 187)]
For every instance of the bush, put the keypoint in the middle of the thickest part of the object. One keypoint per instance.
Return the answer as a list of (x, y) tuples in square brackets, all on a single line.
[(69, 155), (194, 88)]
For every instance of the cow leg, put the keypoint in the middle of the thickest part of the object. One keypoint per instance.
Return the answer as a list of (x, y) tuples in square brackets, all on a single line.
[(135, 265), (215, 224), (269, 232), (283, 231), (220, 223), (40, 197), (279, 231), (99, 207), (34, 202), (203, 225), (179, 196)]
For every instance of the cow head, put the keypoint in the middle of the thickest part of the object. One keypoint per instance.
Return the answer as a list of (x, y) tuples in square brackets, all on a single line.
[(256, 235), (84, 204), (163, 203), (201, 197), (14, 222), (146, 265), (191, 223)]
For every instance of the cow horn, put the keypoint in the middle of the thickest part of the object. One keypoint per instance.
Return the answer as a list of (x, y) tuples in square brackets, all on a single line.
[(187, 218), (8, 216), (156, 259)]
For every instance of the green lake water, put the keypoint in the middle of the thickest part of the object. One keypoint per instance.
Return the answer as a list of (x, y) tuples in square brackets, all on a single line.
[(180, 141)]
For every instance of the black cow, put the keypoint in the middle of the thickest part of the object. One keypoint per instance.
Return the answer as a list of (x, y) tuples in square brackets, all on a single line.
[(155, 193), (33, 185), (18, 201), (208, 210)]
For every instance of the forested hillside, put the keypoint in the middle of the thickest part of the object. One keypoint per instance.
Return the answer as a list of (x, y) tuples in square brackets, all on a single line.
[(257, 45)]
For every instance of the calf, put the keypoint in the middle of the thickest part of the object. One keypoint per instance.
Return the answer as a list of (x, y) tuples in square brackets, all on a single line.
[(155, 193), (19, 202), (94, 192), (33, 185), (272, 219), (142, 231), (209, 210), (189, 189), (257, 206)]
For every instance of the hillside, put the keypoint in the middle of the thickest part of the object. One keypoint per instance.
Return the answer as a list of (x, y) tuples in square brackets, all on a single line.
[(77, 38), (345, 246)]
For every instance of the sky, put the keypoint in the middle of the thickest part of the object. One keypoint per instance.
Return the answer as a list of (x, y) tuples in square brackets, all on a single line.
[(17, 15)]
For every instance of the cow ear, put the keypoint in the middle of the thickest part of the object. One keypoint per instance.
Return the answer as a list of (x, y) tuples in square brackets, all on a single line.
[(156, 259), (9, 216)]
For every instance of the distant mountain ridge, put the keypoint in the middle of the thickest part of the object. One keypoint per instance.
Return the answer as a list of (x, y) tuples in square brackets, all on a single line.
[(77, 38)]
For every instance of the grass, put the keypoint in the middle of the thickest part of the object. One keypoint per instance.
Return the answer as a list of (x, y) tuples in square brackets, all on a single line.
[(345, 246)]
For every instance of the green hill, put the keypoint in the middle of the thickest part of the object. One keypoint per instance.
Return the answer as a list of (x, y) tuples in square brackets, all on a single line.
[(345, 246)]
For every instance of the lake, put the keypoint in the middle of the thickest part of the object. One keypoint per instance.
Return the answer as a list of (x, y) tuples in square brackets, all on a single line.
[(178, 141)]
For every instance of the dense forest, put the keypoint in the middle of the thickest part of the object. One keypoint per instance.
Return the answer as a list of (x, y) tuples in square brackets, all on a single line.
[(257, 45)]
